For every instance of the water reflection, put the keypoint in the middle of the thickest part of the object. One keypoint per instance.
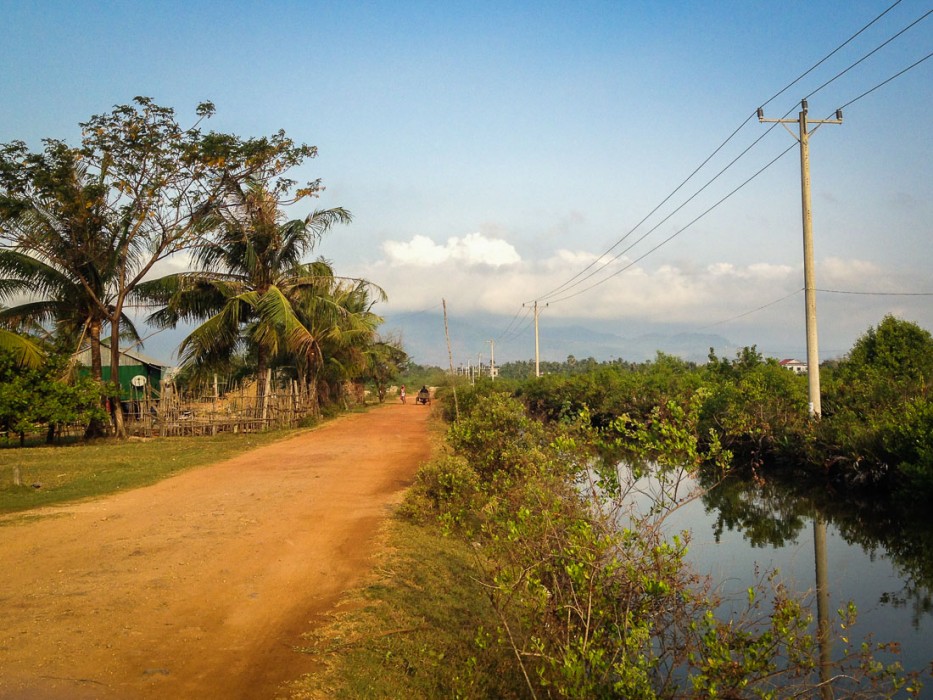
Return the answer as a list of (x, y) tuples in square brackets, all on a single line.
[(828, 550), (773, 514), (878, 555)]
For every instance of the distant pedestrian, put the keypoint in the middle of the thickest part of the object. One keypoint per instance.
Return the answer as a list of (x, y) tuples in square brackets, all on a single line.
[(401, 393)]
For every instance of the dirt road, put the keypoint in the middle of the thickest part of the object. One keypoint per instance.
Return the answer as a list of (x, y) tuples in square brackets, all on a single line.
[(200, 586)]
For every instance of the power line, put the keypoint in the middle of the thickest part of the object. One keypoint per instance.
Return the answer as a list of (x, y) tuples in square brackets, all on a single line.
[(877, 294), (753, 311), (822, 291), (679, 231), (885, 82), (659, 224), (564, 286), (567, 285), (504, 336), (870, 53), (707, 211)]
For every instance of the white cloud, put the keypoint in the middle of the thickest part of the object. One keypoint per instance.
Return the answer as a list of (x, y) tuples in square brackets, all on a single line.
[(483, 273), (472, 249), (848, 272)]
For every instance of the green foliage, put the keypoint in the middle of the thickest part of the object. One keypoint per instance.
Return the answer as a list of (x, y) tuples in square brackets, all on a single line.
[(907, 439), (90, 222), (873, 431), (24, 351), (413, 374), (498, 439), (900, 350), (756, 407), (670, 437), (591, 599), (611, 390), (446, 489), (876, 416), (35, 399), (385, 360)]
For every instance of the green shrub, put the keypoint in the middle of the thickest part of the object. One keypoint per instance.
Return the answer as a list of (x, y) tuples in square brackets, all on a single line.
[(445, 489), (498, 438), (908, 437)]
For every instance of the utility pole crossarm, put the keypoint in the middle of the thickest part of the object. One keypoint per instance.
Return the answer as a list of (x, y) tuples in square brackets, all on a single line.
[(803, 105)]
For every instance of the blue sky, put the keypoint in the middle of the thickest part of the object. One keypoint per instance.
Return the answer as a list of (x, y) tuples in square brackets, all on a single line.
[(490, 151)]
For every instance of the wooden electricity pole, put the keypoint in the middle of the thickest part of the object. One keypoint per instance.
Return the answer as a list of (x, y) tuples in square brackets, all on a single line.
[(809, 276)]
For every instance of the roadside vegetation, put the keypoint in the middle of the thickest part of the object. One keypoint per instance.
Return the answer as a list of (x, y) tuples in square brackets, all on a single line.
[(555, 581)]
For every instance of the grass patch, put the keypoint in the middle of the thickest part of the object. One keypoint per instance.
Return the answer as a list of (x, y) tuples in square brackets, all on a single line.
[(72, 472), (423, 629)]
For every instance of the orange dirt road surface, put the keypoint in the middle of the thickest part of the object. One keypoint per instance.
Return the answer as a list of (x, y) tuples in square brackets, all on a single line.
[(201, 585)]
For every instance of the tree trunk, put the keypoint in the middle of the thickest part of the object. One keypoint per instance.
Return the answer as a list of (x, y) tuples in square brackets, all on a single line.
[(93, 333), (95, 428), (260, 381), (267, 390), (118, 426)]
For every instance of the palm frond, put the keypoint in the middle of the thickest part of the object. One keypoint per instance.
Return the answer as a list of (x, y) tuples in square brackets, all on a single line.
[(27, 353)]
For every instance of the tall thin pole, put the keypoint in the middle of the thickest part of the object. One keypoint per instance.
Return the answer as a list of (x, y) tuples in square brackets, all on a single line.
[(492, 360), (450, 355), (537, 356), (809, 275)]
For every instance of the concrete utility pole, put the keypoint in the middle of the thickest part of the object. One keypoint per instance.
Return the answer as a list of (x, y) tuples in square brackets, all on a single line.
[(809, 277), (537, 353), (450, 356), (492, 360), (537, 356)]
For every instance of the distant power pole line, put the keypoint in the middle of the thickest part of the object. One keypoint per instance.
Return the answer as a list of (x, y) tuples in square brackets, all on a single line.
[(809, 277)]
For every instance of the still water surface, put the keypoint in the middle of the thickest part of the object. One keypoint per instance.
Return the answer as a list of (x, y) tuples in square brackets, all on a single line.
[(880, 560)]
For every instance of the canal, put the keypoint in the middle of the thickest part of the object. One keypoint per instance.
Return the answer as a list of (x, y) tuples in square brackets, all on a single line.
[(877, 555)]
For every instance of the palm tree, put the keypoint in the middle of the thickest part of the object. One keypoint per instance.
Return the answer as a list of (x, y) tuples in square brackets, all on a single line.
[(62, 261), (346, 333), (248, 282)]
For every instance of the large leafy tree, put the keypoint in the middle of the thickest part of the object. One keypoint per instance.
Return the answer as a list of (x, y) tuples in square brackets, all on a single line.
[(900, 349), (249, 282), (880, 408), (158, 187)]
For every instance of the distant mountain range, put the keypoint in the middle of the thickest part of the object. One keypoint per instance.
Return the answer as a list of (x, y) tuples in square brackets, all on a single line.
[(422, 336)]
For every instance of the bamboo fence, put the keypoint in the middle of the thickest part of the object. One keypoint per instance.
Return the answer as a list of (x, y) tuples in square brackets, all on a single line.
[(236, 410)]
